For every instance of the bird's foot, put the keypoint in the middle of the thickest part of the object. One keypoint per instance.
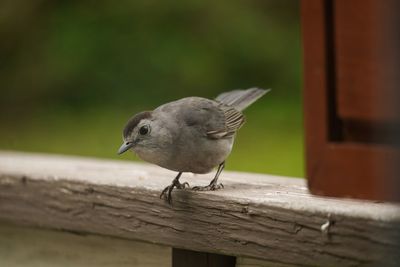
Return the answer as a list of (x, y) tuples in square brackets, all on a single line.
[(166, 193), (210, 187)]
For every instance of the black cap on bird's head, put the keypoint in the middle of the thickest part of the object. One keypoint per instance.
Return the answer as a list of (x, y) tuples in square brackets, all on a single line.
[(129, 127)]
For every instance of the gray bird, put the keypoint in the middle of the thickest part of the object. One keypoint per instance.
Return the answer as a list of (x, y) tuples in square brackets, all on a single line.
[(192, 134)]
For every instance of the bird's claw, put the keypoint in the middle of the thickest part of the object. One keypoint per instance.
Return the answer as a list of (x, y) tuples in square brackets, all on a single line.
[(166, 193), (210, 187), (183, 185)]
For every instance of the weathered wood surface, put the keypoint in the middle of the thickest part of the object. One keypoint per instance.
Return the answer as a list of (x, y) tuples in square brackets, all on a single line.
[(260, 216), (28, 247)]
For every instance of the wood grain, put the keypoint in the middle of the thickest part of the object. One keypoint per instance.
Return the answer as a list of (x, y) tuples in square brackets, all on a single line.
[(259, 216)]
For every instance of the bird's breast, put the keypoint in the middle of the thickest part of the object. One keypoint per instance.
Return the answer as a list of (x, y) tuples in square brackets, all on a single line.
[(200, 156)]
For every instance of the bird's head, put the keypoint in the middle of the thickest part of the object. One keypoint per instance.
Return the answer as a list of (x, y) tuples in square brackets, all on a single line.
[(137, 132)]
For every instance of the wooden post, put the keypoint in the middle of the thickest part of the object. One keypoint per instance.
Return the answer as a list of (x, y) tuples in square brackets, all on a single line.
[(184, 258), (351, 75)]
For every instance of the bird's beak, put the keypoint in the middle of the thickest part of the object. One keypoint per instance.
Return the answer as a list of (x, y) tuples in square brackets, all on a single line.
[(125, 146)]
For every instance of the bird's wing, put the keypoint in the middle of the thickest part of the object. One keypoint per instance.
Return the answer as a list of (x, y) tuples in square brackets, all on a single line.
[(233, 120), (213, 119)]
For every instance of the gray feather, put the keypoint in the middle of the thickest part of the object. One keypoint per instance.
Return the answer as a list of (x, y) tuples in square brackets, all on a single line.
[(241, 99)]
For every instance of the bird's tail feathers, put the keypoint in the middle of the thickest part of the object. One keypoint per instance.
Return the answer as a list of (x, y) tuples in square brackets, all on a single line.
[(241, 99)]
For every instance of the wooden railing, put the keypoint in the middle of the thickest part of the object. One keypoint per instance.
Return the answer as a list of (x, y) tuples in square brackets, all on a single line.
[(269, 218)]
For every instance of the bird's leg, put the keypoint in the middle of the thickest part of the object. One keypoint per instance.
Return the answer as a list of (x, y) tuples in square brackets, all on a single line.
[(213, 184), (166, 193)]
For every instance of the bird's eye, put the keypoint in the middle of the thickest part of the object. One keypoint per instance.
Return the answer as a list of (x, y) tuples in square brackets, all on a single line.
[(144, 130)]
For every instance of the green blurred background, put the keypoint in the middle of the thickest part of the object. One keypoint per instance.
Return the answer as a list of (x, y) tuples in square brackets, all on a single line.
[(73, 72)]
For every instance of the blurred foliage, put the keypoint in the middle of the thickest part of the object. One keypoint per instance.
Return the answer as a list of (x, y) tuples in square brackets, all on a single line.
[(73, 72)]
